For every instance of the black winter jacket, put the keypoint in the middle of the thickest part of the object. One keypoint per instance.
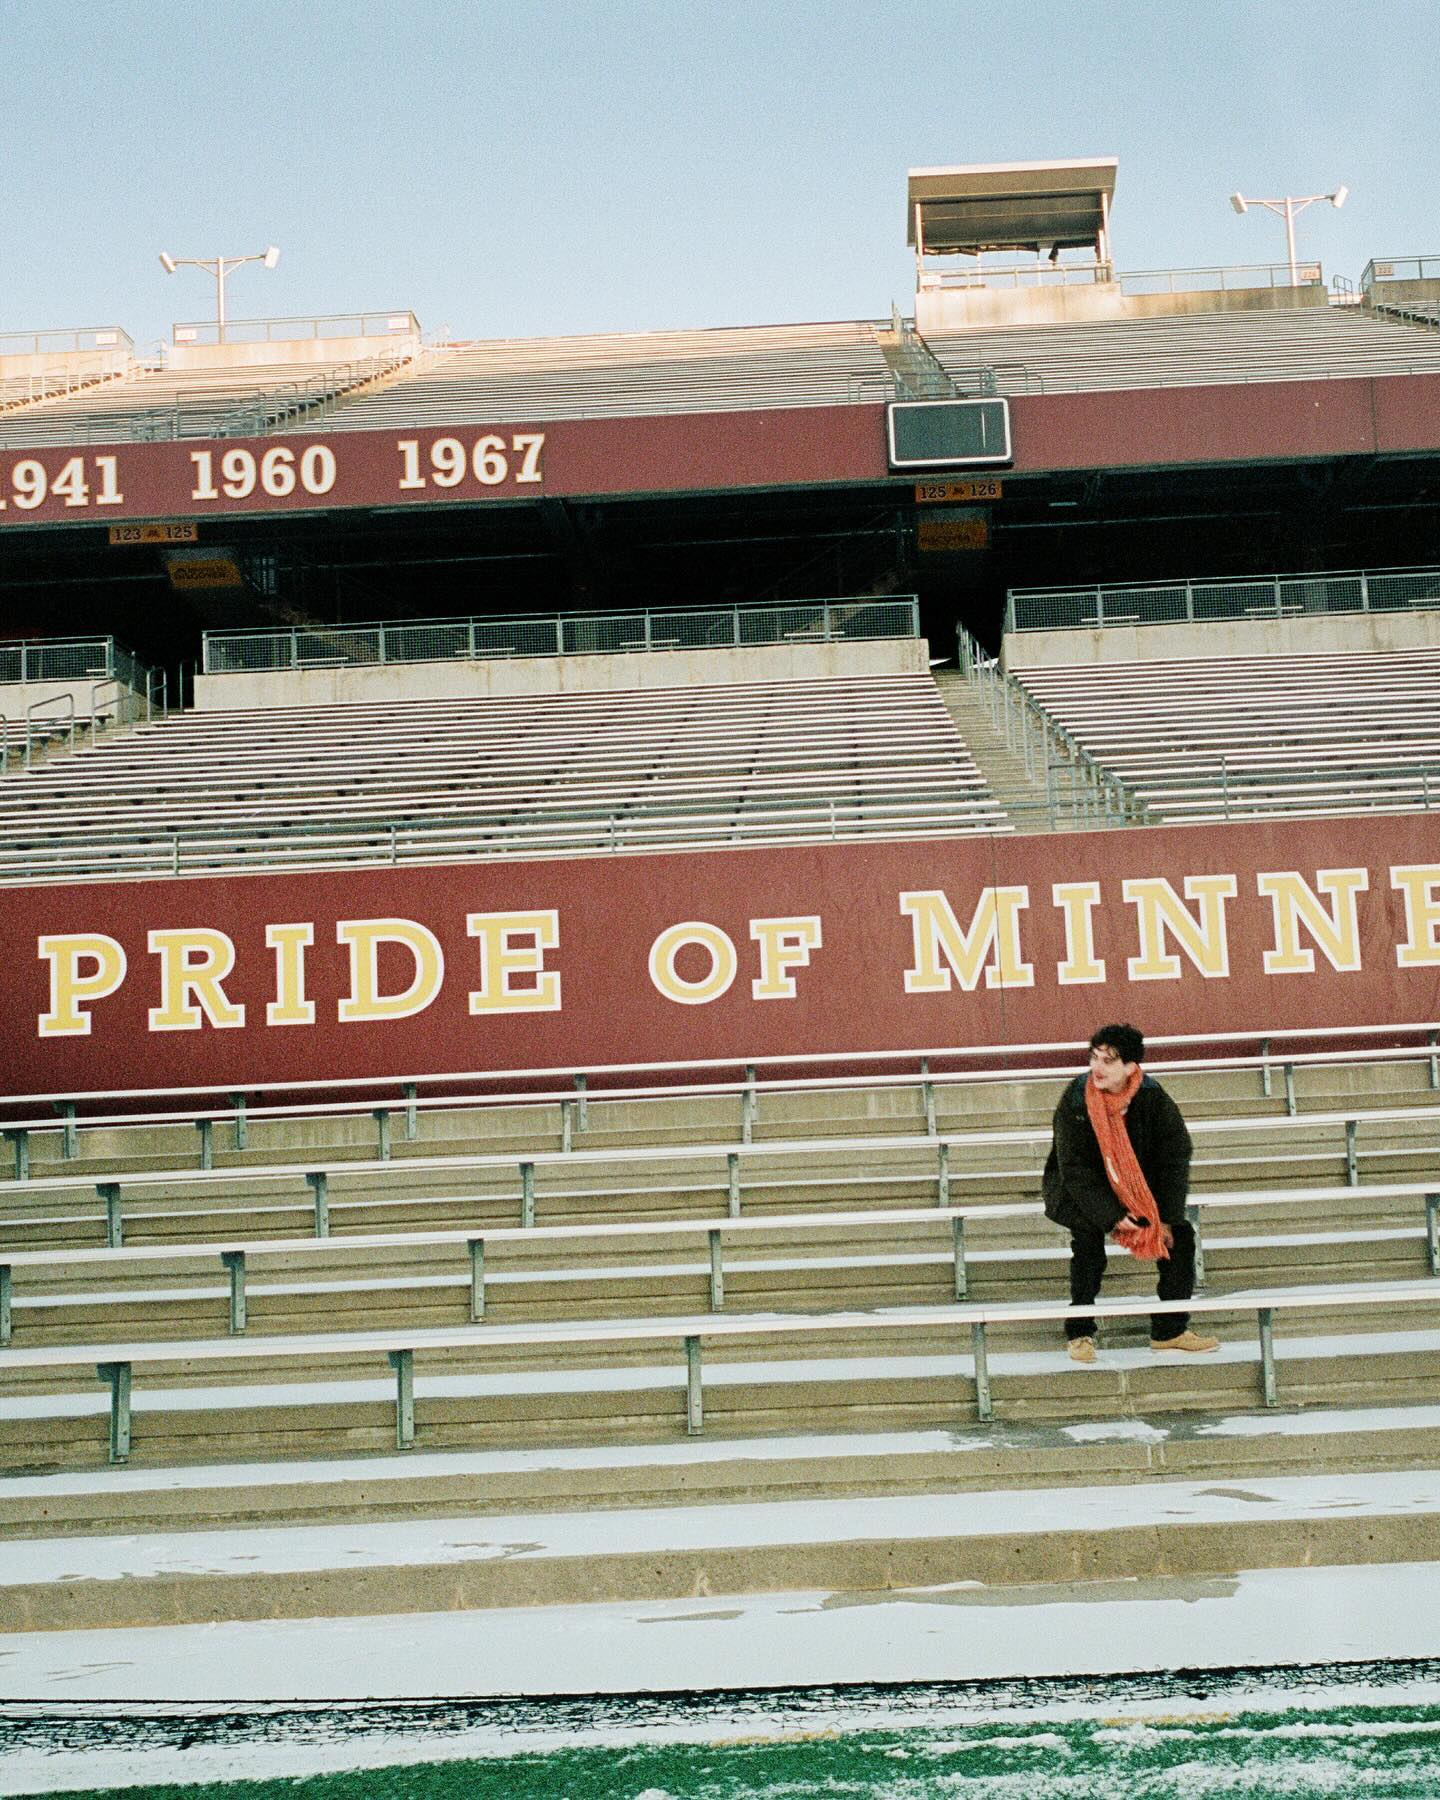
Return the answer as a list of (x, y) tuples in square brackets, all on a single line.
[(1078, 1195)]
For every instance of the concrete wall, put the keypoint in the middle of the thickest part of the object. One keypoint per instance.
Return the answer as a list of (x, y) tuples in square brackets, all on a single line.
[(1316, 633), (16, 697), (299, 351), (953, 309), (500, 677), (78, 364), (1425, 289)]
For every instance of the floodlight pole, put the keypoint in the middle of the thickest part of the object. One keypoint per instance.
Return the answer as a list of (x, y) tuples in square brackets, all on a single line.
[(1286, 207), (222, 268)]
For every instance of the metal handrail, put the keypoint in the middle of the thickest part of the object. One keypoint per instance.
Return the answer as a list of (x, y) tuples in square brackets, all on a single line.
[(65, 714), (462, 642), (1130, 594), (916, 1065), (270, 330), (1046, 274), (60, 341), (1231, 784), (1399, 268), (1093, 794)]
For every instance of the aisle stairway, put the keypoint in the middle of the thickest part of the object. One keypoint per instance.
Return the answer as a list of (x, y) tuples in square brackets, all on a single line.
[(1020, 791)]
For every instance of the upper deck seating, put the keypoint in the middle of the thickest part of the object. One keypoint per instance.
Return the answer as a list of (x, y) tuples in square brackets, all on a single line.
[(1237, 737), (624, 373), (244, 399), (561, 774), (1295, 345)]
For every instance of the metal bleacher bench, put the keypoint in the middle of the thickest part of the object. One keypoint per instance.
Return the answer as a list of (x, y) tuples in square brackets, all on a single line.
[(317, 1174), (115, 1363), (235, 1254)]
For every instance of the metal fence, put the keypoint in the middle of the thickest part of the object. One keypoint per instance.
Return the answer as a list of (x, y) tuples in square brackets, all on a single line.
[(561, 634), (61, 343), (1226, 278), (1399, 268), (1251, 597), (299, 328), (66, 659)]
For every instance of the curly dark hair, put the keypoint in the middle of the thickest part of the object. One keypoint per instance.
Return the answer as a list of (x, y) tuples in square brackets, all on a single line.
[(1127, 1041)]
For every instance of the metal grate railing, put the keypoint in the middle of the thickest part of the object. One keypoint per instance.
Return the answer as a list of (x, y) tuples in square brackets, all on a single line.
[(561, 634), (1252, 597), (1399, 268), (299, 328), (66, 659), (1219, 278)]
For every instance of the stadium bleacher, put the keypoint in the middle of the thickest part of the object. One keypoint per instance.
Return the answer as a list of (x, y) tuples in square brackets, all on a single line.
[(1299, 344), (693, 1317), (558, 775), (145, 402), (632, 373), (1237, 737)]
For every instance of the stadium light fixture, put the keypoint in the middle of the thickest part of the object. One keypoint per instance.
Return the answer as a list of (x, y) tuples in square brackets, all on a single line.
[(222, 268), (1286, 207)]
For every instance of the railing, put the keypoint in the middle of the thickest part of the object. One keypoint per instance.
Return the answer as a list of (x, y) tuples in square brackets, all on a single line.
[(561, 634), (46, 719), (1399, 268), (1246, 597), (1248, 792), (1231, 278), (1425, 313), (1076, 786), (66, 659), (298, 328), (58, 343)]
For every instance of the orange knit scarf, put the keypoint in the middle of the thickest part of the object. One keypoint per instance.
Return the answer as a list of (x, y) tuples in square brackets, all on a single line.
[(1122, 1169)]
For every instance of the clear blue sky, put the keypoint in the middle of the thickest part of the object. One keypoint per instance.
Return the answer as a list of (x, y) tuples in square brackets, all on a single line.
[(553, 166)]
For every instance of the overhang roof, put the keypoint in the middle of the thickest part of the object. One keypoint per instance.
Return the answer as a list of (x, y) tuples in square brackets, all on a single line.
[(1011, 206)]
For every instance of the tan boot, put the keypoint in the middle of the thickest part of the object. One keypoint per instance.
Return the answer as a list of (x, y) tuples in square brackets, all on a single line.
[(1190, 1341), (1082, 1350)]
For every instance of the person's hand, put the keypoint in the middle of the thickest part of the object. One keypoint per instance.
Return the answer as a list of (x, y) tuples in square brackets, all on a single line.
[(1169, 1236)]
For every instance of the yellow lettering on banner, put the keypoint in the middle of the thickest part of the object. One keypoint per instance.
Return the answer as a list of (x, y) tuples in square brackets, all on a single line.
[(364, 938), (1159, 909), (289, 1007), (717, 946), (785, 944), (1420, 884), (193, 963), (500, 958), (69, 988), (1335, 928), (937, 934), (1078, 900)]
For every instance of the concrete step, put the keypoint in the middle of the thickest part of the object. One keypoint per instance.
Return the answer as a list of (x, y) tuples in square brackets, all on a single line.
[(489, 1484), (1002, 1539)]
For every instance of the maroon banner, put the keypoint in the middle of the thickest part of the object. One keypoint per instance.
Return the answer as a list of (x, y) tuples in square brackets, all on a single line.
[(305, 472), (698, 452), (802, 950)]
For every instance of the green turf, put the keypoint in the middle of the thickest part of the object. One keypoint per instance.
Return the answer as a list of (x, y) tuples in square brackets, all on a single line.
[(1373, 1753)]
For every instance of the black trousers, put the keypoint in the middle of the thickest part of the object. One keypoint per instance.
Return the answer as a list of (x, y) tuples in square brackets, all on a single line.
[(1176, 1280)]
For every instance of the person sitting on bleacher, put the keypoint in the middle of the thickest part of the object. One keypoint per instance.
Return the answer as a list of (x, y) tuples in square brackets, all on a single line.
[(1119, 1166)]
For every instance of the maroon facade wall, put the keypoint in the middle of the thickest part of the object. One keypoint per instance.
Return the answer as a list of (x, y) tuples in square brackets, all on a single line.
[(851, 997), (708, 452)]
